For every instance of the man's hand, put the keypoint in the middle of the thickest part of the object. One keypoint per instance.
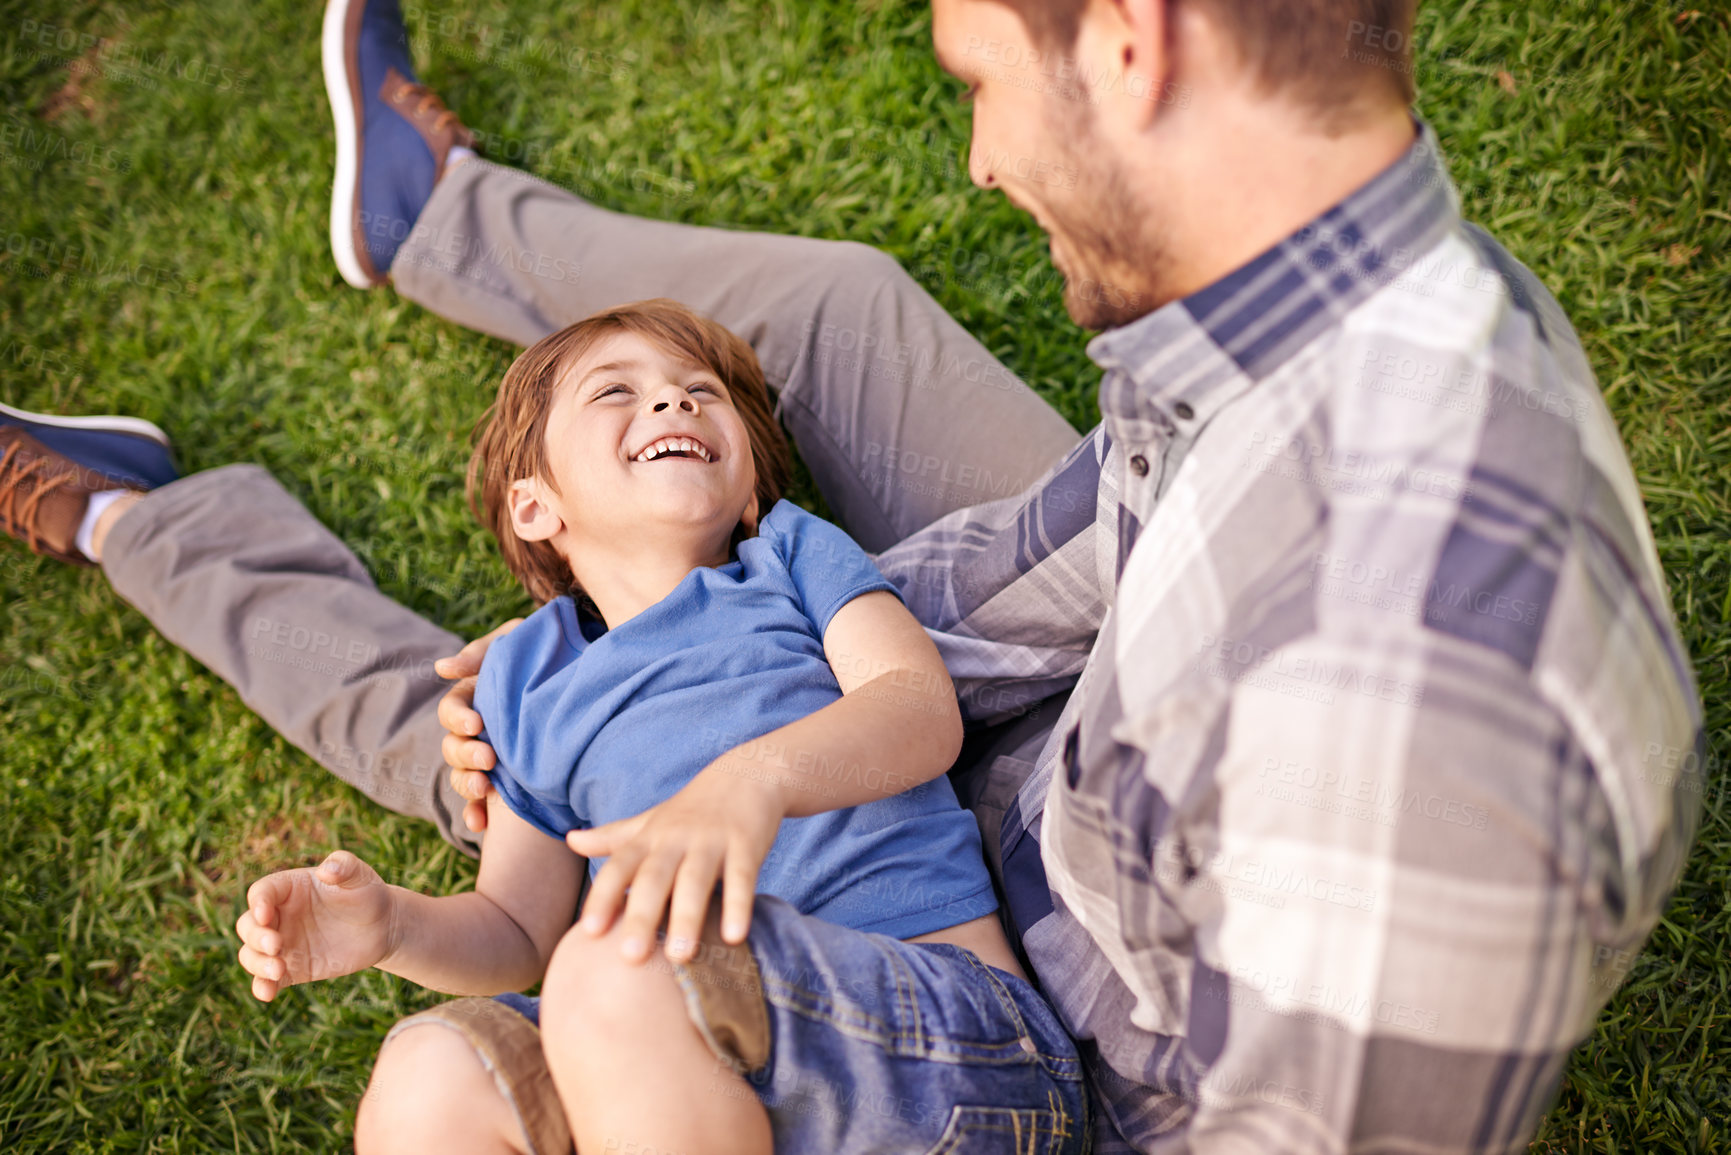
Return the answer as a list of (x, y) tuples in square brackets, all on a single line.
[(308, 924), (722, 823), (468, 757)]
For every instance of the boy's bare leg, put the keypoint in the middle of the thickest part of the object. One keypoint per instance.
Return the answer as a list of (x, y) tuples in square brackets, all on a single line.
[(430, 1093), (630, 1066)]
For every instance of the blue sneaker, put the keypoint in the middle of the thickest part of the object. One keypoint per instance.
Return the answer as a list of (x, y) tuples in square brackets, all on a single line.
[(393, 136), (50, 466)]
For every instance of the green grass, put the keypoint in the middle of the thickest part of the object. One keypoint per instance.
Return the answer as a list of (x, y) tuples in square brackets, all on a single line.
[(162, 253)]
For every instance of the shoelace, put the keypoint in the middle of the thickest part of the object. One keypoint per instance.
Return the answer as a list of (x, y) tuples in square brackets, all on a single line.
[(428, 100), (12, 478)]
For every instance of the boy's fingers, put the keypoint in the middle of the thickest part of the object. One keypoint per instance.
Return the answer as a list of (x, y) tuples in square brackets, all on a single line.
[(345, 871), (691, 893), (263, 966), (607, 890), (256, 937), (607, 839), (268, 893), (738, 889), (597, 842), (475, 816), (263, 990), (645, 904)]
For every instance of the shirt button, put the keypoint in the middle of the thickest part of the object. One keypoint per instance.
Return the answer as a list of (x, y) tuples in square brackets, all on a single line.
[(1184, 411), (1139, 465)]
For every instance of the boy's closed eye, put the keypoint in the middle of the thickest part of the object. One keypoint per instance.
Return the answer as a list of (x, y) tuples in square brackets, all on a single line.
[(710, 387)]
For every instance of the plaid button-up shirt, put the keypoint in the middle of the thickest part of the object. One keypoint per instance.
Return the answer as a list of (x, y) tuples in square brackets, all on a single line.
[(1379, 765)]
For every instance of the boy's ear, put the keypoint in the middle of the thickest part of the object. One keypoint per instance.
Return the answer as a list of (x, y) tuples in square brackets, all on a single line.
[(532, 515)]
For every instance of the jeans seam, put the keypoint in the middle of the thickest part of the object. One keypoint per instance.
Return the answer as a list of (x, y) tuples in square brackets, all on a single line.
[(910, 1033), (801, 1001), (1003, 992)]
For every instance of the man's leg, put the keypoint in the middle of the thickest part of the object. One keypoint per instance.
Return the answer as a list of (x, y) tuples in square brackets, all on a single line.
[(231, 568), (900, 414)]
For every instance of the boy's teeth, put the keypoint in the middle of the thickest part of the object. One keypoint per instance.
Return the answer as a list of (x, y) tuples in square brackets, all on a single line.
[(673, 445)]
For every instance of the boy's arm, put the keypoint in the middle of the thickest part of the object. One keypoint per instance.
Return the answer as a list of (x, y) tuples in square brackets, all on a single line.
[(895, 727), (340, 917), (499, 936)]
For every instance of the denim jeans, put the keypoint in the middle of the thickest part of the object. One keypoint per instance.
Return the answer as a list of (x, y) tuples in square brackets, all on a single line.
[(858, 1042)]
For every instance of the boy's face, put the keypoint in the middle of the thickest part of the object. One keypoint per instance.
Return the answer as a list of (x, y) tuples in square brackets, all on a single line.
[(643, 444)]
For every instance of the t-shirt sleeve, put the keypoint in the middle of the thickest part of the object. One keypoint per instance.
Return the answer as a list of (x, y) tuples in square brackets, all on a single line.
[(551, 817), (514, 728), (828, 567)]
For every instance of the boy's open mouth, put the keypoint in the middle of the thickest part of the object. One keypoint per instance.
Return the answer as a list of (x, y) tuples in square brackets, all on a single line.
[(689, 448)]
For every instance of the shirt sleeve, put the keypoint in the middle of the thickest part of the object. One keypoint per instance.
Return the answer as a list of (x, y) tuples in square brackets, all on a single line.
[(1013, 591), (828, 567), (550, 816)]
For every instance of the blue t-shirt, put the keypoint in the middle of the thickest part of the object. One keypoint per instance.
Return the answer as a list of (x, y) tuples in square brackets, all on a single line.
[(593, 725)]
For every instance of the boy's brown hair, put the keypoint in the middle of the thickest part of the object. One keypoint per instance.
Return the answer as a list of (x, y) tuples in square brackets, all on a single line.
[(511, 437)]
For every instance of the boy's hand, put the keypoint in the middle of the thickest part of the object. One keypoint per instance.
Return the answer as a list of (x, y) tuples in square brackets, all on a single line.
[(468, 756), (302, 925), (722, 823)]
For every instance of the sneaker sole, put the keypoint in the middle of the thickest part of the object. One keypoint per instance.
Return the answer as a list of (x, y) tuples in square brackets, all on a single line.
[(136, 426), (346, 112)]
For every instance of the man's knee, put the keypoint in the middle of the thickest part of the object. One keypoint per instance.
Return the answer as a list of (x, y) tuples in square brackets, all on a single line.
[(835, 275), (423, 1077), (863, 264)]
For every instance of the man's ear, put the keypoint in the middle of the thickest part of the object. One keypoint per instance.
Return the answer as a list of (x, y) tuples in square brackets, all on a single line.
[(532, 514), (1129, 40)]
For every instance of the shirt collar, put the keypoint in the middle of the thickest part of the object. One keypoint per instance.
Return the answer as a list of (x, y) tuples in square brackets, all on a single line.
[(1187, 359)]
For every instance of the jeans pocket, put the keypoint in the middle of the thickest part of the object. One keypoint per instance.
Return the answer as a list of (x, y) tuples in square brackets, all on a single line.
[(1000, 1131)]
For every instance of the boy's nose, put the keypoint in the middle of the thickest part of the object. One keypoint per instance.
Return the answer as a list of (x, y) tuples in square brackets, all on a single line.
[(669, 396)]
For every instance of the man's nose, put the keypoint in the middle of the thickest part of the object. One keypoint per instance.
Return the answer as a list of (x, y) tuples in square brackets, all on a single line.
[(979, 161)]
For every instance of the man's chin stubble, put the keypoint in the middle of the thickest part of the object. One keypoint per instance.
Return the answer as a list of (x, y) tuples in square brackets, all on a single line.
[(1096, 304)]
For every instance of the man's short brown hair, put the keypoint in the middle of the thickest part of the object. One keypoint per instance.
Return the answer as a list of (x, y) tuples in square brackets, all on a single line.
[(1323, 52), (511, 437)]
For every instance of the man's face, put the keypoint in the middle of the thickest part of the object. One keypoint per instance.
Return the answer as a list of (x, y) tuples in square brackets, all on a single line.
[(1035, 137), (645, 444)]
